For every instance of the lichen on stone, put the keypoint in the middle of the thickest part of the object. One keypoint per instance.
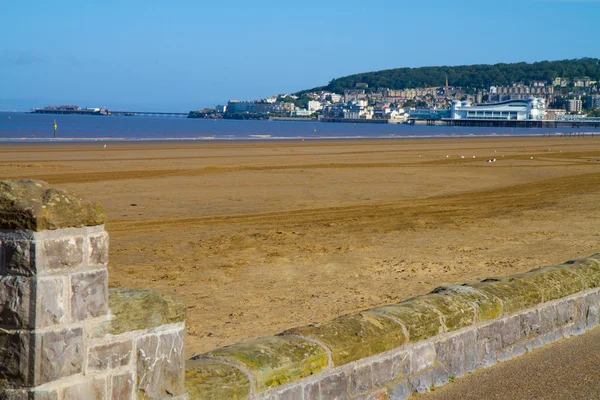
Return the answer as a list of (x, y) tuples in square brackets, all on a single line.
[(211, 380), (274, 361), (36, 206), (355, 336), (137, 309)]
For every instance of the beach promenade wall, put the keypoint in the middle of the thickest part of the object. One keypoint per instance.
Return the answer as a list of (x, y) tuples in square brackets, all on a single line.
[(393, 351), (63, 333)]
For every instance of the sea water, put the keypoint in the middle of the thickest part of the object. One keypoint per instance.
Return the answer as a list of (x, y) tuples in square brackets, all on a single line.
[(40, 127)]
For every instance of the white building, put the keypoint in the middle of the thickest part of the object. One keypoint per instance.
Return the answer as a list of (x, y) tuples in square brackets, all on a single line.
[(520, 110), (314, 105), (574, 106)]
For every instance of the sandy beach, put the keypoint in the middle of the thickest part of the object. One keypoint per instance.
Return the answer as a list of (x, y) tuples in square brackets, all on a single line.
[(257, 237)]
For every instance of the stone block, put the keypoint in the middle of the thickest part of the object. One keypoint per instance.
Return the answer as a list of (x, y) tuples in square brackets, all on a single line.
[(378, 394), (89, 294), (456, 356), (400, 390), (292, 393), (88, 389), (98, 249), (16, 352), (510, 331), (441, 352), (142, 309), (401, 364), (440, 376), (160, 365), (487, 353), (60, 254), (487, 306), (17, 294), (548, 319), (312, 391), (504, 354), (530, 324), (456, 313), (492, 335), (109, 356), (384, 371), (516, 295), (18, 253), (205, 379), (275, 361), (471, 351), (14, 394), (421, 320), (52, 301), (423, 356), (356, 336), (592, 318), (122, 386), (421, 383), (35, 206), (60, 355), (335, 387), (565, 312), (361, 379), (519, 350)]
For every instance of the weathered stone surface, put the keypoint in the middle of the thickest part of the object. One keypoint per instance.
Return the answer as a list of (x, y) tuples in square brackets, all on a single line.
[(510, 331), (421, 383), (14, 394), (423, 356), (161, 365), (421, 320), (293, 393), (61, 354), (136, 309), (565, 312), (440, 376), (515, 296), (487, 305), (98, 249), (17, 367), (274, 361), (312, 391), (122, 387), (16, 296), (400, 390), (52, 301), (361, 380), (456, 313), (385, 371), (213, 380), (456, 356), (61, 253), (335, 387), (377, 394), (401, 363), (108, 356), (17, 252), (35, 206), (588, 269), (43, 394), (89, 297), (530, 324), (548, 319), (92, 389), (441, 352), (552, 282), (355, 336)]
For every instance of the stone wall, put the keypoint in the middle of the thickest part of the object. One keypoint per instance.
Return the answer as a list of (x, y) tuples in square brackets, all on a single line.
[(63, 333), (392, 351)]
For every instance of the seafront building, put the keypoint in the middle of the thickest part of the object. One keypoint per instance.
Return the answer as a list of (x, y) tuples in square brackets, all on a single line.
[(532, 109)]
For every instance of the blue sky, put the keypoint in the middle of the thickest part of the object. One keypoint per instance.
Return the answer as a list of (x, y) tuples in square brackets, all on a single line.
[(180, 55)]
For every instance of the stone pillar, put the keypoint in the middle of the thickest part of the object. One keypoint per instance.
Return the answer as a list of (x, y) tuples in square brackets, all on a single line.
[(57, 334)]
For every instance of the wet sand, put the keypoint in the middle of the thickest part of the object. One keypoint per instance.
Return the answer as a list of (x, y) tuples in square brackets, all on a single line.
[(258, 237)]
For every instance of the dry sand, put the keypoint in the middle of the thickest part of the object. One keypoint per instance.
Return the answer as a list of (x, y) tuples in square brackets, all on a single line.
[(262, 236)]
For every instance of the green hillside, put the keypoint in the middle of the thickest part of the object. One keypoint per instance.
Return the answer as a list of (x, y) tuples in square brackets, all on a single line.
[(469, 76)]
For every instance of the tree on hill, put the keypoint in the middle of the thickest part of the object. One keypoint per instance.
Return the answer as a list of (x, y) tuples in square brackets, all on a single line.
[(468, 76)]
